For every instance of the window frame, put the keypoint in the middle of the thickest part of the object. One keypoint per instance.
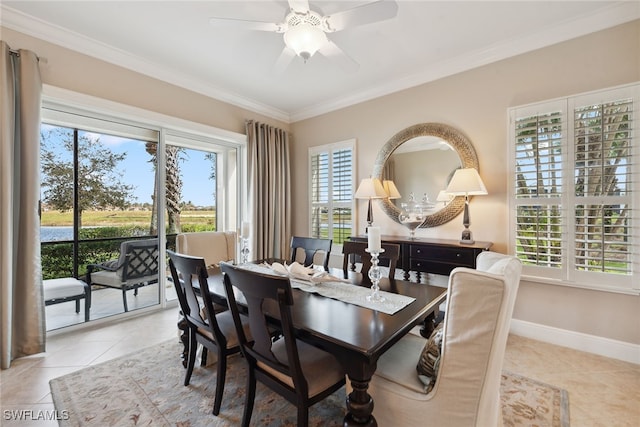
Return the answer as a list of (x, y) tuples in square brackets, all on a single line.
[(328, 149), (69, 102), (568, 274)]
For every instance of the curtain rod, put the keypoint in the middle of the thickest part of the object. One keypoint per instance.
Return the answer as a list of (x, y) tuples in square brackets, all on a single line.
[(17, 53)]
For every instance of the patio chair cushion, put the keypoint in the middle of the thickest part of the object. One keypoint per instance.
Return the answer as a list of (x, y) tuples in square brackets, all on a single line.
[(65, 287), (107, 278)]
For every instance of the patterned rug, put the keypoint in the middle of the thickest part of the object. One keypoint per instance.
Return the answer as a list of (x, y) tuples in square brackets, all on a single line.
[(146, 389)]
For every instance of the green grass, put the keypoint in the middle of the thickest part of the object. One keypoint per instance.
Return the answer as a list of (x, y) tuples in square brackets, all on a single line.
[(116, 218)]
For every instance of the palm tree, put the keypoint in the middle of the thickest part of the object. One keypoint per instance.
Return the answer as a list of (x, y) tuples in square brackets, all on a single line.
[(173, 187)]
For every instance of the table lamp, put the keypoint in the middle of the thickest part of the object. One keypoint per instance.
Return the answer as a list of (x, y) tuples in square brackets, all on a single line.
[(444, 197), (466, 182), (390, 189), (370, 188)]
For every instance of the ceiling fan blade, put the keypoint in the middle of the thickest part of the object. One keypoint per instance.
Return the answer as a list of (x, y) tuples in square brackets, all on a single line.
[(379, 10), (301, 6), (243, 24), (334, 53), (283, 60)]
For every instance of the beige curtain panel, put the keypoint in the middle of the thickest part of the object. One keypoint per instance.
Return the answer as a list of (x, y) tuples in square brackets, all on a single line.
[(269, 190), (22, 316)]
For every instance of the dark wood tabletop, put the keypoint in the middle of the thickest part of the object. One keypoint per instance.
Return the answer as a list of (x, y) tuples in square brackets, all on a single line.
[(356, 336)]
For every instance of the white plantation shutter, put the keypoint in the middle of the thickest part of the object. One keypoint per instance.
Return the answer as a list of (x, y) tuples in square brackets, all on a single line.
[(331, 190), (603, 165), (572, 198), (539, 155), (319, 168)]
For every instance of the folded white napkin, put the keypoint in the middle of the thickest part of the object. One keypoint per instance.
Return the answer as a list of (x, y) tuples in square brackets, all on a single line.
[(298, 271)]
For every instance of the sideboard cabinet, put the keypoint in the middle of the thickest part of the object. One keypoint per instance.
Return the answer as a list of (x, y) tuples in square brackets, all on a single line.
[(437, 256)]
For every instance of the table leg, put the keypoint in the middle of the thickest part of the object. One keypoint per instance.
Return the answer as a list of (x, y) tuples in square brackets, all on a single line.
[(428, 325), (359, 406)]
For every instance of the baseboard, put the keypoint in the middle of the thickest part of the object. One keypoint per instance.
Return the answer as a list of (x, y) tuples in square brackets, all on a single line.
[(578, 341)]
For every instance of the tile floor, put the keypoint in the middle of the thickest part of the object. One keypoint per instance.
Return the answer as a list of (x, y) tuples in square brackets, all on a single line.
[(602, 391)]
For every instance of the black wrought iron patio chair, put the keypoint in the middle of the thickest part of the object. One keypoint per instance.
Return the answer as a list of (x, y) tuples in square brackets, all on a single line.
[(136, 267)]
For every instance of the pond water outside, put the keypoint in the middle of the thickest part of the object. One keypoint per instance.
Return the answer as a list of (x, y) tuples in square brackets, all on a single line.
[(54, 234)]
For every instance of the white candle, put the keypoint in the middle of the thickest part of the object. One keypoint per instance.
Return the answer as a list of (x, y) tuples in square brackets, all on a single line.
[(374, 239), (244, 231)]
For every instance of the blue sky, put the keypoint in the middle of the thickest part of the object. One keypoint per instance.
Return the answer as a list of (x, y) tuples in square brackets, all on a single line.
[(197, 187), (195, 169)]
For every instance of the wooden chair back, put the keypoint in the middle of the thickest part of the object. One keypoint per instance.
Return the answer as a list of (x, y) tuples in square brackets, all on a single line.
[(187, 270), (311, 247), (354, 252), (301, 373), (258, 290)]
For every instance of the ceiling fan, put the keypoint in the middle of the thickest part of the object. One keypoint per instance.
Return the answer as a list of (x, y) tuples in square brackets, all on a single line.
[(305, 30)]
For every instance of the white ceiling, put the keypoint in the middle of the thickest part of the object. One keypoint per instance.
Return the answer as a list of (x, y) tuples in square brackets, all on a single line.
[(173, 41)]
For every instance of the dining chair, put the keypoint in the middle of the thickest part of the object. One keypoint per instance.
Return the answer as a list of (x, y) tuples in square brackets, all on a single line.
[(213, 246), (137, 266), (354, 252), (301, 373), (215, 331), (462, 387), (311, 246)]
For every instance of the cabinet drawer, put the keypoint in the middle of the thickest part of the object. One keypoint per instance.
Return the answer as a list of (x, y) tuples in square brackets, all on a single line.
[(456, 256), (435, 267)]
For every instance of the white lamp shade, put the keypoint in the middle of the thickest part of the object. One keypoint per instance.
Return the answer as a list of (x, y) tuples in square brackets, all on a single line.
[(391, 189), (466, 182), (443, 196), (370, 188), (305, 39)]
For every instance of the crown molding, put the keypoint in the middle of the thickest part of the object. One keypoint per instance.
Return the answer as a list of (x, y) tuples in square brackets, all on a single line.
[(43, 30), (616, 14)]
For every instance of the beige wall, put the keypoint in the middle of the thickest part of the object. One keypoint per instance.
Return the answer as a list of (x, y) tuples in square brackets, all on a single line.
[(84, 74), (476, 102)]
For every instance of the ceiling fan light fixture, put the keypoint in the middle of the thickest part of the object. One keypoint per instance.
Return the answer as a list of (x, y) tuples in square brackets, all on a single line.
[(305, 39)]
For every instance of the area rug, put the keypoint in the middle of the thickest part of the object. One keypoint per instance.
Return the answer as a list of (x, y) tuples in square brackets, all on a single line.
[(146, 389)]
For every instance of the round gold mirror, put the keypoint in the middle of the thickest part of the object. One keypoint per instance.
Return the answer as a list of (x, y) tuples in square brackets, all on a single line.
[(421, 160)]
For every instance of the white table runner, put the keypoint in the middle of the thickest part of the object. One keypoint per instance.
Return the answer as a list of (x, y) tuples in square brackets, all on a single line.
[(341, 290)]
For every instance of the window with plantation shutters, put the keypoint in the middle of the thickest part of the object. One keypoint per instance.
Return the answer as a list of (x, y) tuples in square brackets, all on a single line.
[(331, 190), (573, 208), (538, 177)]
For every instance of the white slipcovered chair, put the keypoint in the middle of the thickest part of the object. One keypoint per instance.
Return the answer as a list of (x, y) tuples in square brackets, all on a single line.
[(213, 246), (476, 325)]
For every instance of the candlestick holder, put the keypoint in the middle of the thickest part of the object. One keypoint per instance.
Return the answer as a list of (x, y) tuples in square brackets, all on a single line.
[(244, 251), (374, 275)]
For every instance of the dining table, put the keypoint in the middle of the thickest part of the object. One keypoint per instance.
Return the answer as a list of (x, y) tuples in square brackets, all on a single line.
[(354, 333)]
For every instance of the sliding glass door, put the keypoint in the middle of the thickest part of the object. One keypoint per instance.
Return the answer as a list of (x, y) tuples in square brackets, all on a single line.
[(201, 190), (107, 181), (97, 192)]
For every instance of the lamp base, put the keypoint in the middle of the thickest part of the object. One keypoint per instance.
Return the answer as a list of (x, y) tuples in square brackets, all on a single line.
[(467, 237), (366, 229)]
